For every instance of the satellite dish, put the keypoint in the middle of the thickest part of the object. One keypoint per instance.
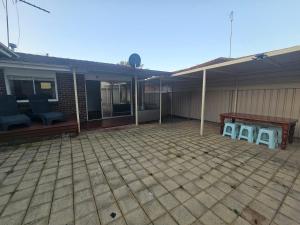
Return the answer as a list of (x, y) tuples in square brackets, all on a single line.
[(134, 60), (260, 56), (12, 46)]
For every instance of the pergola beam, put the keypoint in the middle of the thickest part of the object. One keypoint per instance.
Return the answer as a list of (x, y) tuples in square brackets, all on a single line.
[(239, 60)]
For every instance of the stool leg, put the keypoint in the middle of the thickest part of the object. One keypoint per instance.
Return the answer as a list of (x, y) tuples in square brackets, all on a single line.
[(250, 135), (233, 133), (240, 134), (225, 130), (258, 138), (272, 141)]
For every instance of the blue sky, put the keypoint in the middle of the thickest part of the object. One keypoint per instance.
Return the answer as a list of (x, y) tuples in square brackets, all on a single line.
[(168, 34)]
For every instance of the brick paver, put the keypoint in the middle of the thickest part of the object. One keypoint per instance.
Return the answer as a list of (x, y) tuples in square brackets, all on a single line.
[(149, 174)]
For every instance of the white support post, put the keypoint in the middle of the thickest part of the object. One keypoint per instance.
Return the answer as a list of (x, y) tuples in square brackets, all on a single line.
[(203, 102), (131, 99), (160, 100), (171, 100), (76, 99), (111, 99), (136, 101), (142, 86), (235, 99)]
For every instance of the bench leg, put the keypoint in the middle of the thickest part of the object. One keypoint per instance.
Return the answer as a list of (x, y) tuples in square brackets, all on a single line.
[(285, 132), (222, 119), (291, 133)]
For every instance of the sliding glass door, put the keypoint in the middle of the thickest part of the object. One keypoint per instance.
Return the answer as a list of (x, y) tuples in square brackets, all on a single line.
[(115, 98), (121, 98), (106, 99)]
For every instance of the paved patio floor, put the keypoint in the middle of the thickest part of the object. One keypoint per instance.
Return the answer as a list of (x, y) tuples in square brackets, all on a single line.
[(151, 174)]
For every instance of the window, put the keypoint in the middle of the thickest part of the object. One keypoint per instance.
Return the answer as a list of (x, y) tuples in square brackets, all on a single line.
[(21, 88), (24, 86), (45, 87)]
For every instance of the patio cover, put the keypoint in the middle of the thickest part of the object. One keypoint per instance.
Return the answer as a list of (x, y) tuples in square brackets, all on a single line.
[(239, 70)]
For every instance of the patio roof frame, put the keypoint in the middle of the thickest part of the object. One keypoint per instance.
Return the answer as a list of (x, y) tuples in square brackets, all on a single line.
[(238, 60), (215, 69)]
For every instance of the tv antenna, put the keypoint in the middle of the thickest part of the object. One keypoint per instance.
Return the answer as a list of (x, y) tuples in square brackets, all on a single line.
[(6, 11), (230, 39)]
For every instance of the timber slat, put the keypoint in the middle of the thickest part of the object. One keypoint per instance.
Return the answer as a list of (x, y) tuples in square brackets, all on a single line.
[(37, 131)]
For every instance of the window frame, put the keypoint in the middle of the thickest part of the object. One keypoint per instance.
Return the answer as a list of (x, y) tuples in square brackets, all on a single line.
[(30, 75)]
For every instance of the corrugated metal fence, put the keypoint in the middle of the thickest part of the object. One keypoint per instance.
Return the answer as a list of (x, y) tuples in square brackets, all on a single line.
[(281, 102)]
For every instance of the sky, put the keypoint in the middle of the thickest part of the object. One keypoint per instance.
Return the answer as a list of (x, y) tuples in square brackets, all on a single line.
[(167, 34)]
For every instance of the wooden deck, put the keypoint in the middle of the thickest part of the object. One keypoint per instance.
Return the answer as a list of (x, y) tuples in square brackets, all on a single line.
[(37, 131)]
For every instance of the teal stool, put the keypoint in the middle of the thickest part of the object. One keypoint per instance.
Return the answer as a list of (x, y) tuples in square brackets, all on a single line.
[(247, 132), (267, 136), (231, 129), (279, 132)]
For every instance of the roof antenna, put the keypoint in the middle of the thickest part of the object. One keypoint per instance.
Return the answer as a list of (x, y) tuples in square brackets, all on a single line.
[(230, 39), (7, 23)]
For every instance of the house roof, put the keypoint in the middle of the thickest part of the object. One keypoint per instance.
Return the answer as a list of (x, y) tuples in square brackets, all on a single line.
[(6, 53), (84, 66)]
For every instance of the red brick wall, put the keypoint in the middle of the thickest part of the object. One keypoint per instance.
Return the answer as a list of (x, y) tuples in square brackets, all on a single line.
[(65, 92), (66, 97), (2, 83), (81, 97)]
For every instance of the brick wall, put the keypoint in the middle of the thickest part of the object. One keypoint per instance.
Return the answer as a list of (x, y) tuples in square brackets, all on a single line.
[(66, 97), (65, 93), (2, 83), (81, 97)]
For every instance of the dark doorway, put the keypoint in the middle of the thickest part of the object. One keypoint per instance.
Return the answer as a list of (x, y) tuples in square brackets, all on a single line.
[(93, 92)]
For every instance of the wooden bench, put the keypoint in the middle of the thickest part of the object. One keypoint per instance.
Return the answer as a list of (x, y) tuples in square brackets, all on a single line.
[(287, 124)]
